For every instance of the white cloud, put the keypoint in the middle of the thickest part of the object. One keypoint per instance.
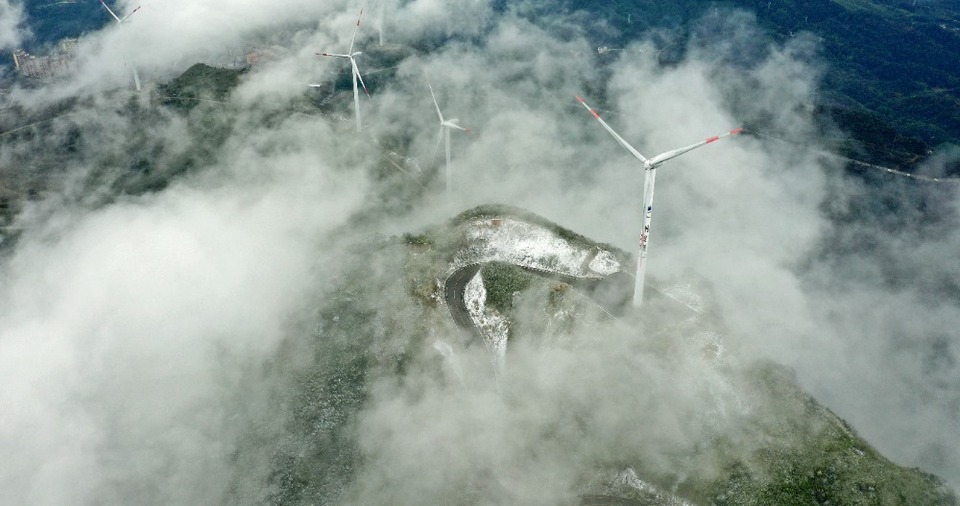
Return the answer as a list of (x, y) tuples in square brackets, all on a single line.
[(130, 334), (11, 19)]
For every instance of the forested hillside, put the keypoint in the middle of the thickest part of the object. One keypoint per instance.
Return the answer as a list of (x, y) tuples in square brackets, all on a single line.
[(891, 67), (50, 21)]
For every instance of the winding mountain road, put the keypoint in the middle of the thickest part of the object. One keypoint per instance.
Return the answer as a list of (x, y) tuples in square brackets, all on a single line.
[(612, 292)]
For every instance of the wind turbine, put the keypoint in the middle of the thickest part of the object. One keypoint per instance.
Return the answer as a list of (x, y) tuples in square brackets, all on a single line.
[(650, 174), (444, 134), (136, 77), (350, 55)]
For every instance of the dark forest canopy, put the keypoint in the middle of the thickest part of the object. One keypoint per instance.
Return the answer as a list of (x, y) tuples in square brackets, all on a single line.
[(894, 59), (890, 65)]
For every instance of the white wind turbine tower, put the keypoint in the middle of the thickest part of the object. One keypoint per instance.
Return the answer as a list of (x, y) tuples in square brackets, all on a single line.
[(136, 77), (444, 134), (650, 173), (350, 55)]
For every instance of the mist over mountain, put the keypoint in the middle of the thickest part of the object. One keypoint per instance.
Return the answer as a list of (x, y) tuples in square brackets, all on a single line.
[(888, 80), (217, 291)]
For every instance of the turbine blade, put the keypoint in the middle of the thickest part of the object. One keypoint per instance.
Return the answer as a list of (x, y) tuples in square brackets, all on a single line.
[(435, 104), (357, 28), (105, 6), (380, 24), (663, 157), (356, 71), (451, 124), (136, 77), (615, 135), (131, 13), (335, 55)]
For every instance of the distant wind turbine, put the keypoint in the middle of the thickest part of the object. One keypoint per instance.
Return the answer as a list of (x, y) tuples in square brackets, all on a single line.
[(350, 55), (444, 134), (136, 77), (650, 174)]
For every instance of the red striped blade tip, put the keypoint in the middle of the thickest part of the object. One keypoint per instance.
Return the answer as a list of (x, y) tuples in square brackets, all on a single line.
[(592, 110)]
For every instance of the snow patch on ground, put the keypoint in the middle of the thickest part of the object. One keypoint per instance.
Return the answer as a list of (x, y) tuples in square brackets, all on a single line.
[(533, 246), (627, 479), (526, 245), (604, 263), (494, 327)]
